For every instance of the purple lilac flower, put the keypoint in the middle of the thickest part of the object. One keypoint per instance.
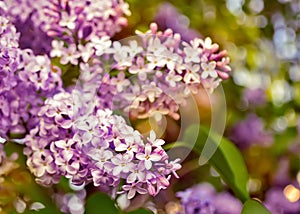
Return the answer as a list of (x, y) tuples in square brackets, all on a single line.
[(25, 81), (32, 37), (168, 17), (94, 147), (82, 20), (8, 54), (254, 97), (203, 199), (23, 15), (250, 131), (73, 21)]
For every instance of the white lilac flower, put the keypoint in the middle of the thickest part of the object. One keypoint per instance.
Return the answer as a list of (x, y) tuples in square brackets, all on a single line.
[(57, 48), (209, 70), (70, 55), (26, 80), (148, 156), (122, 163), (133, 189)]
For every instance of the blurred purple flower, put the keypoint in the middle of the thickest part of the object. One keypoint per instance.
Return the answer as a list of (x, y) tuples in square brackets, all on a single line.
[(169, 17), (254, 97), (203, 199), (277, 203), (250, 131)]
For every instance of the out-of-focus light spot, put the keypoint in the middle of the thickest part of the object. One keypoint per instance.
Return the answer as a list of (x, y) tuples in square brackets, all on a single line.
[(298, 177), (280, 92), (284, 1), (261, 21), (213, 172), (294, 73), (210, 15), (184, 21), (285, 41), (235, 6), (291, 117), (284, 35), (291, 193), (254, 185), (278, 20), (250, 79), (256, 5), (76, 205), (295, 6), (173, 208), (280, 124)]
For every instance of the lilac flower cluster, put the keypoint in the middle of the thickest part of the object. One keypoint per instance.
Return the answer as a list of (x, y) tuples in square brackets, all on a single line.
[(95, 147), (203, 199), (9, 54), (77, 19), (72, 21), (23, 14), (163, 71), (25, 80)]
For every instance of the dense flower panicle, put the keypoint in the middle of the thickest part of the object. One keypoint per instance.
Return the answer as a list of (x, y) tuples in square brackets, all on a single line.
[(25, 81), (163, 71), (72, 132), (8, 54), (153, 73), (203, 199), (32, 37), (35, 80), (78, 20), (73, 21), (24, 15), (96, 147)]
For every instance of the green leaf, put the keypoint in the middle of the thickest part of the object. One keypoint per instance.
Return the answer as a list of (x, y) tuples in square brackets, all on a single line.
[(222, 155), (252, 206), (100, 203), (140, 211)]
